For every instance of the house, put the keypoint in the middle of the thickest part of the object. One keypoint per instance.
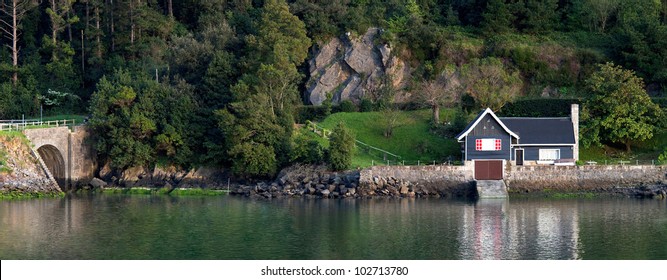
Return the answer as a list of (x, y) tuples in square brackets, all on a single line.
[(489, 142)]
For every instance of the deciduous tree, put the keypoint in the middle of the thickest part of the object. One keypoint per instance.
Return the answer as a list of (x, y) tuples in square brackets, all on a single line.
[(619, 109), (489, 83), (444, 90)]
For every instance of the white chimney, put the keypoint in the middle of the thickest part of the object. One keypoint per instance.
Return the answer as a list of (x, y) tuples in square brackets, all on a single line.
[(574, 115)]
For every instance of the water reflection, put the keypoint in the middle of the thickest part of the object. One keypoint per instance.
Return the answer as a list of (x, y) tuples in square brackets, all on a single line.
[(499, 229), (163, 227)]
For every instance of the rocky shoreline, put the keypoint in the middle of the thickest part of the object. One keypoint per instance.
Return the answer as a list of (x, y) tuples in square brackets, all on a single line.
[(317, 182)]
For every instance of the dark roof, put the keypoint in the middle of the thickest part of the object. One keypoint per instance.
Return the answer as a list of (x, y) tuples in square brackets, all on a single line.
[(541, 130)]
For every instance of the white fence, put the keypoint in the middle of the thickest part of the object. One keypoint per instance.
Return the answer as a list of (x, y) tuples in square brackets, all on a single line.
[(19, 125)]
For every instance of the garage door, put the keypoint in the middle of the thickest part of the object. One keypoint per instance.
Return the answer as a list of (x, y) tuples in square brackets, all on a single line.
[(488, 169)]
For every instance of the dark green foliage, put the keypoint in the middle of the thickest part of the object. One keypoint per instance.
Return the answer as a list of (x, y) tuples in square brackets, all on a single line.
[(366, 105), (347, 106), (311, 113), (341, 148), (232, 72), (307, 151), (538, 108), (18, 101), (137, 120), (619, 110), (498, 17)]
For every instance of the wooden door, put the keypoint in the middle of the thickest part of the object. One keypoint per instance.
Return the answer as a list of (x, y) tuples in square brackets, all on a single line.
[(488, 169), (518, 156)]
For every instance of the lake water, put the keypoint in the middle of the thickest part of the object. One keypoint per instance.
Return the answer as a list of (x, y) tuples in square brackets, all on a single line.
[(163, 227)]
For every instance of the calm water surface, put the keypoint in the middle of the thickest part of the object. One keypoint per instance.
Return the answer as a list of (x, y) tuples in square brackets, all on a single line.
[(163, 227)]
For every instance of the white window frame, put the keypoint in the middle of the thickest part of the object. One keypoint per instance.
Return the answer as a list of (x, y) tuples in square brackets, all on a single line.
[(542, 156)]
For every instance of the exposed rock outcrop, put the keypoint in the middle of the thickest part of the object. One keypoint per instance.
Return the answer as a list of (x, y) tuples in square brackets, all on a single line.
[(20, 170), (351, 67)]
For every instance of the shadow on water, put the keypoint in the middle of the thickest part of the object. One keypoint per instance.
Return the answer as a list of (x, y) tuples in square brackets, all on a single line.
[(94, 226)]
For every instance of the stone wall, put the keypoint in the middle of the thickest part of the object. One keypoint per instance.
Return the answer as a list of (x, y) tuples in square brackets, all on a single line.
[(581, 178), (433, 180), (83, 161), (459, 181)]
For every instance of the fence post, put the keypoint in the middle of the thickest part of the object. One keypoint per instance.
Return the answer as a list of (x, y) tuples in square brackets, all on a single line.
[(652, 163), (417, 162), (372, 162), (637, 162), (434, 162), (387, 162)]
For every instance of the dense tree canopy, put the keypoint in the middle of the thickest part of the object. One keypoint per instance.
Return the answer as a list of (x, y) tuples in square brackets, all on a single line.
[(219, 82)]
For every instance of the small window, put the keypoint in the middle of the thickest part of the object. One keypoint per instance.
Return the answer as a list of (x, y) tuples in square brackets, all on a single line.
[(549, 154), (488, 144)]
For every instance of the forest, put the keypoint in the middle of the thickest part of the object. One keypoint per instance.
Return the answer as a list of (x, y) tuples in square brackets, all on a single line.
[(223, 82)]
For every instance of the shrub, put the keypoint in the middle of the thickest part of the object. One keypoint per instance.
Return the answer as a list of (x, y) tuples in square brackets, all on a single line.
[(539, 108), (366, 105), (341, 148), (347, 106)]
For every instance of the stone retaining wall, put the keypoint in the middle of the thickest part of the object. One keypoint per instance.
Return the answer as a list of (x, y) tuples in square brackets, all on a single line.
[(439, 180), (580, 178)]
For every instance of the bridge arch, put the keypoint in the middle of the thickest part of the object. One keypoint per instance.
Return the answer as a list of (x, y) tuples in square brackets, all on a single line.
[(55, 162)]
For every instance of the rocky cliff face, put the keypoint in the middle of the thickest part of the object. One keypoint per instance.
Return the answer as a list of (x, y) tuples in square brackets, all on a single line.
[(351, 67), (20, 170)]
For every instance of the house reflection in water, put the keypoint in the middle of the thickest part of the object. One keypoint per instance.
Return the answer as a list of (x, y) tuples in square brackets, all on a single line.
[(493, 230)]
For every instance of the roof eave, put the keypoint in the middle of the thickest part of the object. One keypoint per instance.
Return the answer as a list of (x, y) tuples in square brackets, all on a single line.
[(479, 118)]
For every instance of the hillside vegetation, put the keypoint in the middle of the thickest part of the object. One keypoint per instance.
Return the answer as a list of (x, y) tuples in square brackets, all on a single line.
[(201, 82)]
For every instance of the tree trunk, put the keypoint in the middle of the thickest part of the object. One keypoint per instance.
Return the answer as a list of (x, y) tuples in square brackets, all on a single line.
[(627, 146), (170, 9), (15, 39), (98, 51), (83, 53), (54, 28), (436, 114), (113, 41)]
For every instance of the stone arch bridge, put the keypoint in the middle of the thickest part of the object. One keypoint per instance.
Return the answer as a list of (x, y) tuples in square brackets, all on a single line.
[(67, 153)]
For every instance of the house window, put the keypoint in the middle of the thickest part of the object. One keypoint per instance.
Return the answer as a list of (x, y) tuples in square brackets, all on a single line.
[(549, 154), (488, 144)]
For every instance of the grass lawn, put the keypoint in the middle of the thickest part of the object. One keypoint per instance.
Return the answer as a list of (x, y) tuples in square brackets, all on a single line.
[(78, 119), (644, 152), (411, 138)]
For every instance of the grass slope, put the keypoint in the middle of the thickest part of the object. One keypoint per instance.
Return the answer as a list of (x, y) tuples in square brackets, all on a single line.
[(645, 152), (411, 139)]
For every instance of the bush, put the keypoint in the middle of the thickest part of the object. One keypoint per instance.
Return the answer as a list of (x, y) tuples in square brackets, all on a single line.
[(341, 148), (347, 106), (311, 113), (366, 105), (539, 108), (307, 151)]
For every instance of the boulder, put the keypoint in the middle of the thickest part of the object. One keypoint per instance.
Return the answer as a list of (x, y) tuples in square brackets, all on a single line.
[(325, 192), (97, 183)]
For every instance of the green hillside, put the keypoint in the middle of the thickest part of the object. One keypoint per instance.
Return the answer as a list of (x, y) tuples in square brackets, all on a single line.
[(412, 139)]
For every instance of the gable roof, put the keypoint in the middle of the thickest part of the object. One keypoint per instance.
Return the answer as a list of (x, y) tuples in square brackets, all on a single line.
[(479, 117), (542, 130)]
